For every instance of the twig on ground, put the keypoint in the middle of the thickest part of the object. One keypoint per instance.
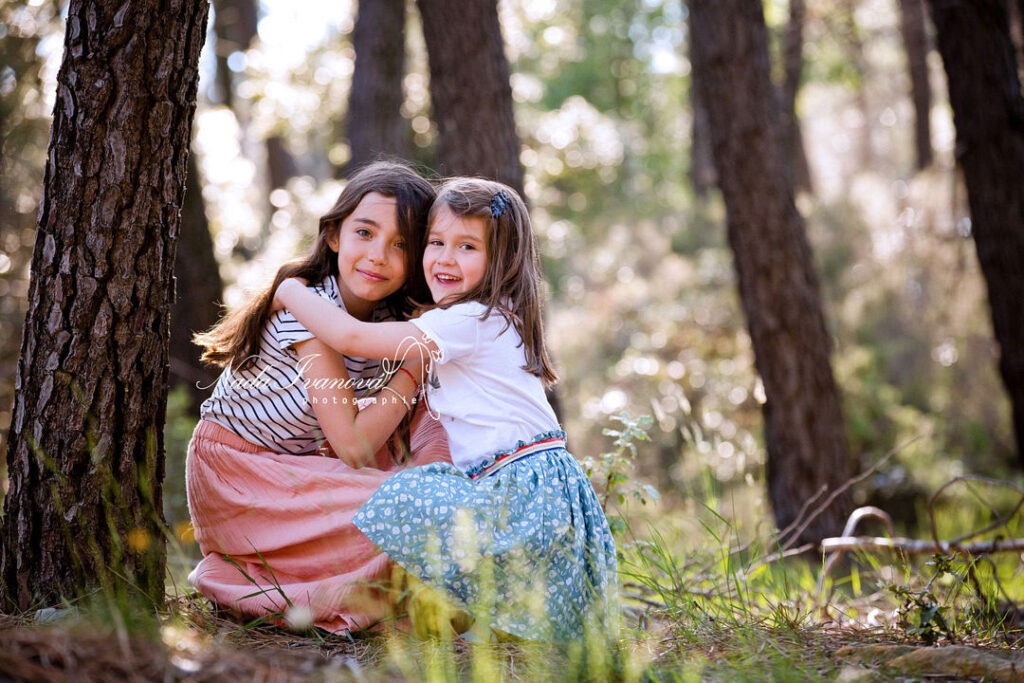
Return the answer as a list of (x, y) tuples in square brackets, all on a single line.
[(995, 524)]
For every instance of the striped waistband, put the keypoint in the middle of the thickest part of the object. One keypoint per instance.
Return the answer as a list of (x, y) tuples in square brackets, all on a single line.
[(546, 444)]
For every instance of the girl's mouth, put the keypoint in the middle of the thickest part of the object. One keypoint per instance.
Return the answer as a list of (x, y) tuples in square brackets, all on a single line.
[(371, 276)]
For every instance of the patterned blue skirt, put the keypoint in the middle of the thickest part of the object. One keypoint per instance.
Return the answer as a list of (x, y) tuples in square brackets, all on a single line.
[(526, 548)]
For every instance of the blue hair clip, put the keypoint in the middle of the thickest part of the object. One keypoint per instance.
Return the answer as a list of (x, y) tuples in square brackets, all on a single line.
[(499, 202)]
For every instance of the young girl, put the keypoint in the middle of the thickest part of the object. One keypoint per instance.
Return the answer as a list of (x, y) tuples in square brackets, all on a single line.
[(513, 531), (273, 520)]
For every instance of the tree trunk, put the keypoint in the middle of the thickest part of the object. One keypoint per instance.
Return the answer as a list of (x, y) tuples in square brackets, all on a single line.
[(281, 165), (804, 431), (470, 90), (1016, 12), (375, 124), (234, 25), (854, 48), (793, 67), (198, 290), (915, 43), (21, 129), (702, 163), (988, 112), (85, 455)]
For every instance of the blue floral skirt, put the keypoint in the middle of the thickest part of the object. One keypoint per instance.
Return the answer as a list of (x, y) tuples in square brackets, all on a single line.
[(526, 548)]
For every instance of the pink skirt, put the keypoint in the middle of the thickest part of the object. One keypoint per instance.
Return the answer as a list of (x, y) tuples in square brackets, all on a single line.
[(276, 530)]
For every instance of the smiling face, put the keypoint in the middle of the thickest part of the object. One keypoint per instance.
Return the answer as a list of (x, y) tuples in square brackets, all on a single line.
[(455, 258), (371, 254)]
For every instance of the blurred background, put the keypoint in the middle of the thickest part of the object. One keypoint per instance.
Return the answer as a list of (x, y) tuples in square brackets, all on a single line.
[(644, 315)]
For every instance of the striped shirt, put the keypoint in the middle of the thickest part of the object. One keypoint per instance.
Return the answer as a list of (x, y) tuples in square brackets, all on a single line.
[(266, 403)]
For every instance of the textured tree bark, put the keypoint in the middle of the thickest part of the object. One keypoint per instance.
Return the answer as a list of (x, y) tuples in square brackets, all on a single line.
[(85, 455), (915, 42), (470, 90), (988, 112), (804, 430), (375, 124)]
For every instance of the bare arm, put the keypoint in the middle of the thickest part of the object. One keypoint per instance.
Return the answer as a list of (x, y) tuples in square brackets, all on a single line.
[(346, 334), (354, 435)]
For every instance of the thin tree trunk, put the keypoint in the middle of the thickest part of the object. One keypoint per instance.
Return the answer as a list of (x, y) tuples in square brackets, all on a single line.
[(855, 50), (915, 42), (281, 165), (198, 289), (804, 430), (988, 111), (1016, 12), (234, 25), (375, 124), (793, 66), (86, 453), (470, 90), (702, 162)]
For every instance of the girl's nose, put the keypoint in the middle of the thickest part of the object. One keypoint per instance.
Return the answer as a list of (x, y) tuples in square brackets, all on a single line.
[(447, 255), (376, 253)]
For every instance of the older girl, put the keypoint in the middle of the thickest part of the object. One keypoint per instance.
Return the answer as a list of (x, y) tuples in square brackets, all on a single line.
[(272, 518)]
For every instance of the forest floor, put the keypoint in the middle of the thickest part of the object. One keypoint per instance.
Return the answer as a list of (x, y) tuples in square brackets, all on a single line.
[(196, 645)]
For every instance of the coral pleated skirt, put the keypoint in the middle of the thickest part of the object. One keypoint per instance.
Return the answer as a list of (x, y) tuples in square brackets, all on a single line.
[(276, 530)]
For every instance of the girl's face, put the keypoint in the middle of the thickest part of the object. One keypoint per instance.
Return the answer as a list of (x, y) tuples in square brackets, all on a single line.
[(455, 258), (371, 254)]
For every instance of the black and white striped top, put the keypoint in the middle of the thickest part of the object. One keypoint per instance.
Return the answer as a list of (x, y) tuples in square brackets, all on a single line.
[(266, 403)]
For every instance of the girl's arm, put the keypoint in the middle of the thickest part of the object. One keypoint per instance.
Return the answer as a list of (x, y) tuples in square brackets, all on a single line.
[(346, 334), (354, 435)]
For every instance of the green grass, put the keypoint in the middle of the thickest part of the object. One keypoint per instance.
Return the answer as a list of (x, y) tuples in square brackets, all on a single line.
[(707, 595)]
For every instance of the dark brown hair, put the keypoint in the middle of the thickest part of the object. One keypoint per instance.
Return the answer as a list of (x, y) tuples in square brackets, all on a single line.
[(512, 279), (235, 340)]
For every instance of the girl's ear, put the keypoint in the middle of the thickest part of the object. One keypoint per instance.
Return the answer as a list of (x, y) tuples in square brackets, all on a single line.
[(332, 241)]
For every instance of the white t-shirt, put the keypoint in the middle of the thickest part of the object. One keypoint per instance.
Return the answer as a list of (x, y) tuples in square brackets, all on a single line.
[(266, 403), (486, 401)]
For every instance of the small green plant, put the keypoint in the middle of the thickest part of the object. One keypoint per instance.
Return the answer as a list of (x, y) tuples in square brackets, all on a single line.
[(612, 471), (921, 615)]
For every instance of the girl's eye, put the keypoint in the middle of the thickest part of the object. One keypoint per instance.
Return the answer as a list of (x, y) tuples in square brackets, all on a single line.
[(468, 247), (363, 232), (434, 243), (400, 245)]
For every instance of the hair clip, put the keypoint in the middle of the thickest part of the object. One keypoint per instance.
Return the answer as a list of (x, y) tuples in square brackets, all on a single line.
[(499, 202)]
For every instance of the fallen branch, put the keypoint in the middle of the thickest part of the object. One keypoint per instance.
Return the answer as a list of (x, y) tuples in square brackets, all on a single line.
[(918, 546)]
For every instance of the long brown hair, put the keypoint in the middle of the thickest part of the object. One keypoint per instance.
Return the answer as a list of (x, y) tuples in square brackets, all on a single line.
[(512, 279), (235, 340)]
